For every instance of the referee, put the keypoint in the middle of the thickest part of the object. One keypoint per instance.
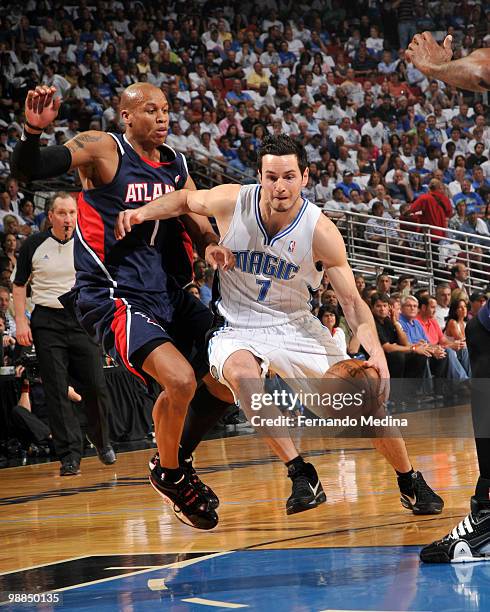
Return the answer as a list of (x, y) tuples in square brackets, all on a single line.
[(64, 351)]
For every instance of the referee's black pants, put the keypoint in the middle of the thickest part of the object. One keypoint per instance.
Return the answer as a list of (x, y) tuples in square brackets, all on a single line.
[(66, 353), (478, 342)]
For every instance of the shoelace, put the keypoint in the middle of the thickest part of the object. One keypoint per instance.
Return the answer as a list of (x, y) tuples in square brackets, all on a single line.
[(465, 527), (421, 488), (301, 485)]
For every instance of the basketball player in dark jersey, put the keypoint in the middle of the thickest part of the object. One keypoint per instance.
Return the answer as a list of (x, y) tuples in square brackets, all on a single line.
[(470, 539), (123, 296)]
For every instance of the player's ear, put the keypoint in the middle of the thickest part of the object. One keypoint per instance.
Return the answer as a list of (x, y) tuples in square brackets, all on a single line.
[(306, 175), (126, 117)]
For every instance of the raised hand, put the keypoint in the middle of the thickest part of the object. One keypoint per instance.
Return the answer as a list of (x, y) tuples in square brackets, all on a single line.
[(425, 53), (41, 107)]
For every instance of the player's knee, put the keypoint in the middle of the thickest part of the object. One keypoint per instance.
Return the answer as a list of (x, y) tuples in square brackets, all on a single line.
[(181, 386), (237, 375)]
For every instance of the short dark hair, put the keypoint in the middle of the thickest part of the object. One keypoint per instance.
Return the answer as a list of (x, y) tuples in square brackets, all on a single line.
[(283, 145), (327, 308), (425, 299), (477, 296), (379, 297)]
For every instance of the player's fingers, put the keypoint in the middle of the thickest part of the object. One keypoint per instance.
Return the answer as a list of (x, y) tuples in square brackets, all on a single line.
[(30, 95), (35, 102), (119, 227), (427, 36), (127, 221), (448, 43), (48, 99), (230, 260), (212, 260)]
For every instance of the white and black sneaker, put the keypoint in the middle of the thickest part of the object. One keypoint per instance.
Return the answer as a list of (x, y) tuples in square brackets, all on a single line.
[(422, 499), (193, 477), (468, 542), (307, 490)]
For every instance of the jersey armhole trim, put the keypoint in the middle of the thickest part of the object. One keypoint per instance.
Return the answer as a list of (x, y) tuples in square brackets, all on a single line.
[(238, 206)]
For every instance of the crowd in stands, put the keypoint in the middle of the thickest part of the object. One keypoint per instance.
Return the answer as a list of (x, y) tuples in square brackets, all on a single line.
[(382, 139)]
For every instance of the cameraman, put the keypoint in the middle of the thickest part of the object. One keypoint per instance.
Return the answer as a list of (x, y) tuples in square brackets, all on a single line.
[(63, 349)]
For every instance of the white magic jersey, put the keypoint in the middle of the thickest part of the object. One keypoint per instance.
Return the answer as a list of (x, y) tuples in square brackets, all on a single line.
[(272, 278)]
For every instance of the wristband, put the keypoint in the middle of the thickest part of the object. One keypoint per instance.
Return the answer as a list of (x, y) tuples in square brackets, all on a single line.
[(29, 136), (33, 127)]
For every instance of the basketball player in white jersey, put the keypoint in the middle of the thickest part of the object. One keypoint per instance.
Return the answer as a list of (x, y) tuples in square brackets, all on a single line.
[(282, 243)]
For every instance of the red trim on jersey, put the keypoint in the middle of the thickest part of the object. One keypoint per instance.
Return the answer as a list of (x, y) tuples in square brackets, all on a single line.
[(154, 164), (118, 327), (187, 243), (92, 226)]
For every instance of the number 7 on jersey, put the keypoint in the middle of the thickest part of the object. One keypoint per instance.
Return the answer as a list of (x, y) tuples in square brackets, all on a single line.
[(264, 288)]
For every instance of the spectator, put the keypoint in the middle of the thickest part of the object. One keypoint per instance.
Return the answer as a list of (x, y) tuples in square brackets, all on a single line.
[(459, 276), (443, 299), (456, 320), (6, 311), (438, 360), (348, 183), (9, 247), (475, 226), (434, 209), (329, 317), (405, 360), (456, 351), (477, 300), (468, 196), (383, 284), (381, 228)]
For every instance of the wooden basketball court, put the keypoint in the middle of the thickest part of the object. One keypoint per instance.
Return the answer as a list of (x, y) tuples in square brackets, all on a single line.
[(107, 526)]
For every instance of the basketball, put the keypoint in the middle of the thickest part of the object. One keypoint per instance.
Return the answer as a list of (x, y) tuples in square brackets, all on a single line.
[(359, 378)]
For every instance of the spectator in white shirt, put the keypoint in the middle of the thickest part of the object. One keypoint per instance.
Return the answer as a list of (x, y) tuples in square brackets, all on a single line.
[(344, 162), (375, 129), (351, 137), (177, 139)]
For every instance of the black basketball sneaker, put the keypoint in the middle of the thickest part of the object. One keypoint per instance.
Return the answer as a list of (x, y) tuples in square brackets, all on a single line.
[(188, 468), (307, 490), (421, 499), (189, 504), (467, 542)]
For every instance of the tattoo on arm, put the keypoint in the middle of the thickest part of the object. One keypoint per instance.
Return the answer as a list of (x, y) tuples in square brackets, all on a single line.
[(484, 84), (80, 141)]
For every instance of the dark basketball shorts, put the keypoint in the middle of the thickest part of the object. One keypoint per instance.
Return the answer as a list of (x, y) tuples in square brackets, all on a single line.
[(129, 328)]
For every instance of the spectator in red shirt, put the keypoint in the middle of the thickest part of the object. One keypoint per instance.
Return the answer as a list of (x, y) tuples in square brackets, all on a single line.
[(433, 208), (456, 351)]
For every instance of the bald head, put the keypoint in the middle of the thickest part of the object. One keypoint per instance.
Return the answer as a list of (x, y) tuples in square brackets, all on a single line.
[(138, 93), (144, 111)]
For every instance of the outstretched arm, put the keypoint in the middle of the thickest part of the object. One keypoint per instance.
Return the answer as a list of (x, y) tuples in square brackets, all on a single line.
[(471, 72), (218, 202)]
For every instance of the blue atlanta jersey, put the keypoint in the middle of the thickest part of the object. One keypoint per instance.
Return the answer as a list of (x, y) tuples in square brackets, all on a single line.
[(132, 266)]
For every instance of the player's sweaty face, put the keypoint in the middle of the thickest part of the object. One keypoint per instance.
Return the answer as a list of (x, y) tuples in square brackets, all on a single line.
[(281, 180)]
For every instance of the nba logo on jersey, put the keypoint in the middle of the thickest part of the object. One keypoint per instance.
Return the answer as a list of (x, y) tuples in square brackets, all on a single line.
[(292, 246)]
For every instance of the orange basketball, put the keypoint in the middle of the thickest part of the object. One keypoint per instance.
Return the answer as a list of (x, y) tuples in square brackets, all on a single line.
[(355, 375)]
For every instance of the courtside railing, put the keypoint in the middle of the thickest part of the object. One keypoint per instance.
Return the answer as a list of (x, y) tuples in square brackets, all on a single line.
[(410, 248)]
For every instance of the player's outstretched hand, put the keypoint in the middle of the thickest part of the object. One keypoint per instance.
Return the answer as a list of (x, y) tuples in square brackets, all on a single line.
[(41, 107), (126, 220), (219, 257), (425, 53)]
